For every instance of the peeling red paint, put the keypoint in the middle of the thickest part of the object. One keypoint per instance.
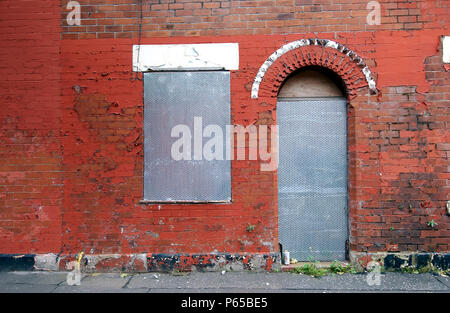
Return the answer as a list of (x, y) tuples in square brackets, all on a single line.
[(401, 55), (71, 176)]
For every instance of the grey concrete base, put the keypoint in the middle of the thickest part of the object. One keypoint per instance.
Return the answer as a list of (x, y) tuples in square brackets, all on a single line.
[(141, 263), (211, 282), (401, 260)]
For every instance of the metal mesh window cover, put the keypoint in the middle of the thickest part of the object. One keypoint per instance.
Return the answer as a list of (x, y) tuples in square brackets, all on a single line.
[(312, 177), (174, 98)]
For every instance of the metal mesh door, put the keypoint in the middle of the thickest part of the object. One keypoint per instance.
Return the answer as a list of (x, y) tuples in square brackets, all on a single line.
[(312, 177)]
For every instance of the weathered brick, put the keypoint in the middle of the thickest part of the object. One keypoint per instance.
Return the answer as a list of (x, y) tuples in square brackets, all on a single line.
[(72, 155)]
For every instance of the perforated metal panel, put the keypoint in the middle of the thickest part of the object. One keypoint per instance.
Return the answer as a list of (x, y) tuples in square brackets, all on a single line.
[(173, 98), (312, 177)]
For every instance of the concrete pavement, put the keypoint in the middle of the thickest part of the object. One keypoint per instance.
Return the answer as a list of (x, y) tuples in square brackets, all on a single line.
[(211, 282)]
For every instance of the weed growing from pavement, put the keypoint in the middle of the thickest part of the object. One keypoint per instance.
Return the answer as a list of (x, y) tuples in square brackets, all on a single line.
[(338, 268), (312, 269)]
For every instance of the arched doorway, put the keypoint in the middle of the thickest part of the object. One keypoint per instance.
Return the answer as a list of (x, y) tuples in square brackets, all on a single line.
[(312, 172)]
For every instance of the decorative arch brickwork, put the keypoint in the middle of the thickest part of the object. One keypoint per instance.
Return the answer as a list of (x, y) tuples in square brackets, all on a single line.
[(306, 52)]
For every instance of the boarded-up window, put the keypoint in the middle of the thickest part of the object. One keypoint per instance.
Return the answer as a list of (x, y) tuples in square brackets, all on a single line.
[(179, 98)]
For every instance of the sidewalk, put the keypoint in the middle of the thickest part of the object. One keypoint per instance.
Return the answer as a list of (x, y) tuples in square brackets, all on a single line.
[(242, 282)]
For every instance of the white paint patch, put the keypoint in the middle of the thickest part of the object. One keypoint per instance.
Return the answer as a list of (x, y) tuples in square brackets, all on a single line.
[(209, 56), (46, 262), (446, 49)]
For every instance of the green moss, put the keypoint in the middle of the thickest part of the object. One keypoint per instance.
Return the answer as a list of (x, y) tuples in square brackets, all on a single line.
[(424, 269), (409, 270), (336, 267)]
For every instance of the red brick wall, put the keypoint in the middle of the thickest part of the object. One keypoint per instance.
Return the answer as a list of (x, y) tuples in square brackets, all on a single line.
[(163, 18), (30, 120), (72, 155)]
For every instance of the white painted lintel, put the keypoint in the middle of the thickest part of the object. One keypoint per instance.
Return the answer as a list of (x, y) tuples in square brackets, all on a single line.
[(183, 57)]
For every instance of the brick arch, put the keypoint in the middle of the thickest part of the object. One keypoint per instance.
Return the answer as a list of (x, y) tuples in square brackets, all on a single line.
[(306, 52)]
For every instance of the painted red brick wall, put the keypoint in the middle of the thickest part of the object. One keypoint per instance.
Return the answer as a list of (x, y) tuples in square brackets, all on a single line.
[(71, 125), (175, 18), (31, 179)]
